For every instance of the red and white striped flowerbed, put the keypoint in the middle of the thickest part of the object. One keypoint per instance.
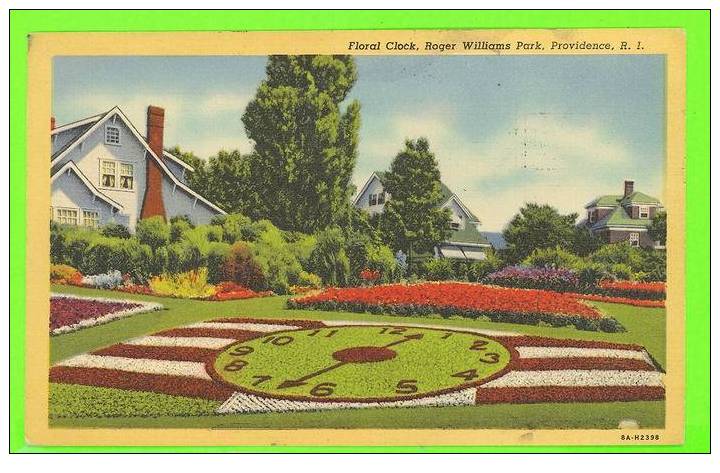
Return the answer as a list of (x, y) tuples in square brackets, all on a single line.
[(541, 369), (70, 312)]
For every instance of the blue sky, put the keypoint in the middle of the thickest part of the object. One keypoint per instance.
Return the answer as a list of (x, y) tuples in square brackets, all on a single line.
[(505, 129)]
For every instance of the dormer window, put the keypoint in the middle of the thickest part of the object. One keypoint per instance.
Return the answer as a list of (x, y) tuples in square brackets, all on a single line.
[(381, 198), (112, 135), (644, 211), (372, 200), (591, 216)]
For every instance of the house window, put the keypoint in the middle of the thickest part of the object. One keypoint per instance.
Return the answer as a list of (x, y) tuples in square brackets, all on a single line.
[(634, 239), (381, 198), (455, 226), (126, 176), (66, 216), (644, 211), (107, 173), (372, 199), (91, 218), (591, 216), (112, 135)]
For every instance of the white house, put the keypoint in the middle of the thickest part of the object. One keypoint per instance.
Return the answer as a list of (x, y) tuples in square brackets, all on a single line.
[(103, 171), (465, 242)]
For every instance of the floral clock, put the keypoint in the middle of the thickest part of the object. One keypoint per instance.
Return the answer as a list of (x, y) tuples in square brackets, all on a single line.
[(360, 363)]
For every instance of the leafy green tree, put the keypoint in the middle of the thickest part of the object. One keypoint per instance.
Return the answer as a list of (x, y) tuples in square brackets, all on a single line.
[(305, 146), (538, 226), (657, 230), (585, 241), (412, 220), (329, 259), (197, 179)]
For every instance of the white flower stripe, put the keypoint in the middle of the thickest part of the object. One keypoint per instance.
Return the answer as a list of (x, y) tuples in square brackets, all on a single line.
[(139, 365), (242, 402), (576, 352), (576, 378), (194, 342), (252, 327), (491, 333)]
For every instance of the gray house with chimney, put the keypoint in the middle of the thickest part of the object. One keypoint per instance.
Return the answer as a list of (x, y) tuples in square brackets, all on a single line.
[(104, 171)]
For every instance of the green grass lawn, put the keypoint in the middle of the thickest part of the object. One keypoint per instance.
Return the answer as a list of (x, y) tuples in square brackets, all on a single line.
[(114, 408)]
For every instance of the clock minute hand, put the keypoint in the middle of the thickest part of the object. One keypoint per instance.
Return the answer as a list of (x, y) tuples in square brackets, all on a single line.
[(291, 383), (417, 336)]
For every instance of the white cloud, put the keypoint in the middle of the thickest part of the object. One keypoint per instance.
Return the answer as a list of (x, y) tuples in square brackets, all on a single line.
[(547, 158)]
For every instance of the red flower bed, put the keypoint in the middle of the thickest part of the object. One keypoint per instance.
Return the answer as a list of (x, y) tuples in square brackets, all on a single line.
[(135, 289), (621, 300), (471, 300), (70, 311), (227, 291), (632, 289), (656, 287)]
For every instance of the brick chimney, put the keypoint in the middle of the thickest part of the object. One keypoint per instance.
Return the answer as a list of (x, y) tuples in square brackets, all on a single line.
[(153, 200), (629, 188), (52, 123)]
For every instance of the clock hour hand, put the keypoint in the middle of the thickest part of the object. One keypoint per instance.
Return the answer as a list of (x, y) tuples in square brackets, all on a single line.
[(291, 383), (417, 336)]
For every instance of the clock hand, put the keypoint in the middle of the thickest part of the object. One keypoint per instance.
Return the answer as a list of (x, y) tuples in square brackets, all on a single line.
[(417, 336), (291, 383)]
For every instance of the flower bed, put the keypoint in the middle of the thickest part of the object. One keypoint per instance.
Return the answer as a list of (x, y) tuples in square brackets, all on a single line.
[(469, 300), (633, 289), (69, 313), (621, 300), (535, 278), (228, 291)]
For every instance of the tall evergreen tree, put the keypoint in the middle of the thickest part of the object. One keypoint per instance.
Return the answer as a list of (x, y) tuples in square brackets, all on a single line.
[(305, 146), (412, 219)]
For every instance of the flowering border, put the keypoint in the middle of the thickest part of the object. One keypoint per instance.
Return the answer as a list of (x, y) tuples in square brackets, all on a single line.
[(103, 319)]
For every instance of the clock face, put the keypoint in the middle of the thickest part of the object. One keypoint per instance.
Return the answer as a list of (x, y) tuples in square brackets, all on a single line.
[(361, 363)]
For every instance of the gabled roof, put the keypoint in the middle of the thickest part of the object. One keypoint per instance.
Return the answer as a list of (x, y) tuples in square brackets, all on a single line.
[(70, 166), (640, 198), (444, 189), (468, 235), (116, 110), (614, 200), (178, 161), (618, 217)]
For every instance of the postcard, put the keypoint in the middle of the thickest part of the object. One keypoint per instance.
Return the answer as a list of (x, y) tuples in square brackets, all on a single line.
[(371, 238)]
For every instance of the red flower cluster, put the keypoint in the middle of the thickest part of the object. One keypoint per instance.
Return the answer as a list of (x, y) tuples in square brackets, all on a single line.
[(135, 289), (458, 296), (634, 286), (68, 311), (369, 275), (226, 291), (620, 300)]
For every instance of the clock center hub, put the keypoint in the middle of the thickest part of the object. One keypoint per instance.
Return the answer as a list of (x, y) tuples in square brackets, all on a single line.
[(364, 354)]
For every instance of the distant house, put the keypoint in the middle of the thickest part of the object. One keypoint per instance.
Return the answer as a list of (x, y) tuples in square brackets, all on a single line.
[(623, 217), (102, 171), (466, 242)]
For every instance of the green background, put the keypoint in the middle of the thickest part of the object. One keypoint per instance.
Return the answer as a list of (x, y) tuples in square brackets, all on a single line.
[(697, 27)]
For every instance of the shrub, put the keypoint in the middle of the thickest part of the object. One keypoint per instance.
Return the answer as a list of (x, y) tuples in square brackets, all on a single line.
[(618, 253), (126, 256), (182, 218), (64, 274), (654, 265), (153, 231), (235, 227), (478, 270), (621, 271), (279, 265), (109, 280), (241, 268), (57, 244), (190, 284), (115, 230), (216, 257), (178, 229), (77, 242), (306, 279), (555, 258), (159, 263), (590, 274), (213, 233), (438, 269), (329, 260)]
